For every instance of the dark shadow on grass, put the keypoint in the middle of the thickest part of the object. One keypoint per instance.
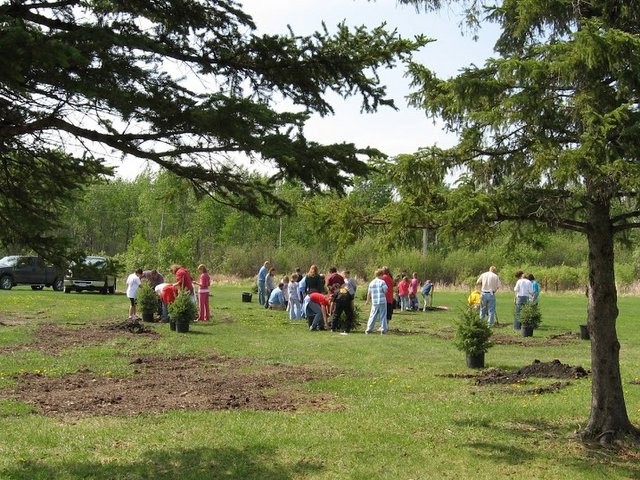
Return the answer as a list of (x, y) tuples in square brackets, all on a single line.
[(495, 452), (196, 332), (255, 462), (530, 428)]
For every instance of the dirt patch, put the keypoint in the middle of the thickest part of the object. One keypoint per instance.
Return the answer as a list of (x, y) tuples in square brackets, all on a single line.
[(12, 322), (538, 369), (55, 338), (551, 341), (513, 339), (131, 326), (397, 331), (160, 384)]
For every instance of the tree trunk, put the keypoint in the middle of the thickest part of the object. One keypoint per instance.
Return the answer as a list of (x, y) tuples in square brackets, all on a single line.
[(425, 241), (609, 418)]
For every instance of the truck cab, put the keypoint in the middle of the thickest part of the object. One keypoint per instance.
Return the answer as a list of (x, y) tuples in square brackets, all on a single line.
[(28, 270)]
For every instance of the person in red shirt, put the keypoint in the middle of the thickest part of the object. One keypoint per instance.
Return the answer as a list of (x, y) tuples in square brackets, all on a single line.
[(167, 294), (388, 279), (334, 278), (317, 311), (183, 278)]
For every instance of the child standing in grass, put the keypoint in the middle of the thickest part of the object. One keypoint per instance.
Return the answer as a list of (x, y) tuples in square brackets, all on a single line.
[(426, 293), (295, 302), (133, 283), (414, 286), (403, 293), (203, 282)]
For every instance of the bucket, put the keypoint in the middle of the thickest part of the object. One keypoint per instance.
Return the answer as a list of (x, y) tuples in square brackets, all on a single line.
[(584, 332), (246, 297)]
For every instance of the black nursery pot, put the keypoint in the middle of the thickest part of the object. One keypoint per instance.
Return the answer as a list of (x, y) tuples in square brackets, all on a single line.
[(172, 325), (475, 361), (584, 332), (526, 331), (182, 327), (147, 317)]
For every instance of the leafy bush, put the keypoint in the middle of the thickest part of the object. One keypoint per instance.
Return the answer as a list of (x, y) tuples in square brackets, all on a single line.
[(530, 315), (472, 333), (183, 309)]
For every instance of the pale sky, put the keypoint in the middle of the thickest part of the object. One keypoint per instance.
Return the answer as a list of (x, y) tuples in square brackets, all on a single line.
[(393, 132)]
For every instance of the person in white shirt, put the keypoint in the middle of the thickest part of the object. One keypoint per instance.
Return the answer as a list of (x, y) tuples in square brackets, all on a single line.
[(523, 291), (490, 283), (133, 282)]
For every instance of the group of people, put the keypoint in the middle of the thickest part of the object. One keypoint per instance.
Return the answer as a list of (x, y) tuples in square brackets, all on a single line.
[(381, 294), (167, 292), (324, 299), (526, 290)]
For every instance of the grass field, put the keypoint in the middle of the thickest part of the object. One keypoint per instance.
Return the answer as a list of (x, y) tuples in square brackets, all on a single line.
[(392, 411)]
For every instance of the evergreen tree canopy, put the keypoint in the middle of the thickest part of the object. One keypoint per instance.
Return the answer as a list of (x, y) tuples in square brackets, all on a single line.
[(181, 83)]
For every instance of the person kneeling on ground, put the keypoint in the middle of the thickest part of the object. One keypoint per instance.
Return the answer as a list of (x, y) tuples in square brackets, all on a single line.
[(474, 298), (276, 298)]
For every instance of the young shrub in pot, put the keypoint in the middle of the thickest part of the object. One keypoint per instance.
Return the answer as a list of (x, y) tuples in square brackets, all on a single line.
[(472, 337), (183, 311), (530, 318), (147, 301)]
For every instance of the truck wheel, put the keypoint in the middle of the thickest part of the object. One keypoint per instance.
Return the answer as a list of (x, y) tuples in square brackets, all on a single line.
[(6, 283), (58, 285)]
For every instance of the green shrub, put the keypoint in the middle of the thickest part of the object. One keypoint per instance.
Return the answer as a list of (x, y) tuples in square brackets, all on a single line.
[(147, 299), (472, 333), (530, 315), (183, 309)]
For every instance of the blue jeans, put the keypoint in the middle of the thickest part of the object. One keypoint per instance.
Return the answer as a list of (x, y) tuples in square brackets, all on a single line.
[(381, 312), (404, 303), (262, 293), (488, 306), (314, 316), (516, 319), (164, 316)]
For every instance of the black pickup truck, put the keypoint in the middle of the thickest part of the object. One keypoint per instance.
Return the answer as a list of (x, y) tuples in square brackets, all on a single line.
[(25, 270)]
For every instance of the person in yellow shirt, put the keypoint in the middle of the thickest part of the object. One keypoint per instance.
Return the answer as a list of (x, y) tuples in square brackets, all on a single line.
[(474, 298)]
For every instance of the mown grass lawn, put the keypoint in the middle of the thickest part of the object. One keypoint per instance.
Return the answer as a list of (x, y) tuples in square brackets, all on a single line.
[(394, 413)]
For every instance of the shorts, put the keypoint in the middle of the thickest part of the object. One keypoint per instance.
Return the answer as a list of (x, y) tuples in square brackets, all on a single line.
[(133, 301)]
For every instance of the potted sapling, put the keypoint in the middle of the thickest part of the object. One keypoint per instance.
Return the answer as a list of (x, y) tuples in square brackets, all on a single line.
[(147, 301), (472, 337), (183, 311), (530, 318)]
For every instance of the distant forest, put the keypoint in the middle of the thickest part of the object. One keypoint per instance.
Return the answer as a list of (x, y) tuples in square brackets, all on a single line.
[(157, 219)]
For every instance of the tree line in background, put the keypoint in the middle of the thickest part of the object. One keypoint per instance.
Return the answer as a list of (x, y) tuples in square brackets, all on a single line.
[(157, 219)]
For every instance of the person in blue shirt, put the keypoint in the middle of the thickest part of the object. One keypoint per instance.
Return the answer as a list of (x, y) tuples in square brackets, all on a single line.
[(262, 277), (536, 288), (276, 299)]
